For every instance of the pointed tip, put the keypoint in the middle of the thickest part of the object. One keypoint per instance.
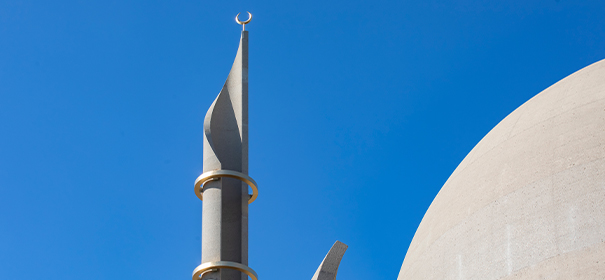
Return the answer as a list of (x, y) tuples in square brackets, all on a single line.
[(328, 268), (340, 244)]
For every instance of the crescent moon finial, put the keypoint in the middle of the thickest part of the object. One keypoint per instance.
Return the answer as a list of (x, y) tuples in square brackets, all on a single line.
[(243, 23)]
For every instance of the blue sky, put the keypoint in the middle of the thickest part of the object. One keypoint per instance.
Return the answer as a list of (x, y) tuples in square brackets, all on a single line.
[(359, 112)]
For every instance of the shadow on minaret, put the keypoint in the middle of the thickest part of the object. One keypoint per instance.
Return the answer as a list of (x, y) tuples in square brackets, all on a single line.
[(223, 133)]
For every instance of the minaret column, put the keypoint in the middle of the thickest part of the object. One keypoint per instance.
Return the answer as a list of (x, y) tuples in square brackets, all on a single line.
[(223, 186)]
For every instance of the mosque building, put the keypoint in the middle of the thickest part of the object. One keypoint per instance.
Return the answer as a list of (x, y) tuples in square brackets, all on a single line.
[(526, 203)]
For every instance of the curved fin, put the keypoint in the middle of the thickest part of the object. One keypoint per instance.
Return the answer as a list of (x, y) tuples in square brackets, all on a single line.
[(329, 266), (226, 122)]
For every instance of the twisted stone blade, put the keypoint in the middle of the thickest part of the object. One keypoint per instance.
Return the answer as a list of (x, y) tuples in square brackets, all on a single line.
[(225, 207), (226, 122), (329, 266)]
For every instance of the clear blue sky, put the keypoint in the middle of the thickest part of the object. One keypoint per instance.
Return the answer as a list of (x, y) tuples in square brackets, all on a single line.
[(359, 112)]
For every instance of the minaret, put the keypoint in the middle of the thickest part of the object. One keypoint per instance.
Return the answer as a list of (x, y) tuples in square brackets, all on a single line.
[(223, 185)]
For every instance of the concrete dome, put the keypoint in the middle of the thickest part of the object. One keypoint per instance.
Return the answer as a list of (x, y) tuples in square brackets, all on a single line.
[(528, 202)]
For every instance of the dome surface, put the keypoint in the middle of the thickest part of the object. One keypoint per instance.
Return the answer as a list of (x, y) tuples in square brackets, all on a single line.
[(528, 202)]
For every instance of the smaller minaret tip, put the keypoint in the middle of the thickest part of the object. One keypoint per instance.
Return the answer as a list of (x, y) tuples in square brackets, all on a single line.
[(243, 23)]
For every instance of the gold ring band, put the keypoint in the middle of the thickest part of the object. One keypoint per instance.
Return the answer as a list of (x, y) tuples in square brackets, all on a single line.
[(223, 264), (225, 173)]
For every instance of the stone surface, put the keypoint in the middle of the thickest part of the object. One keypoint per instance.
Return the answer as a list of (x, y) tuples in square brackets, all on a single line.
[(528, 201), (329, 266), (225, 206)]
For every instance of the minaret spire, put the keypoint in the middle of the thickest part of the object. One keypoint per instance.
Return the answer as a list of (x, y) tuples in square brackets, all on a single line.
[(223, 186)]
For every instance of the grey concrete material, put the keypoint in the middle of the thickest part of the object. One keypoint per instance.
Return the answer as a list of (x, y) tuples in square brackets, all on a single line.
[(329, 266), (527, 200), (225, 205), (226, 122), (586, 263)]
